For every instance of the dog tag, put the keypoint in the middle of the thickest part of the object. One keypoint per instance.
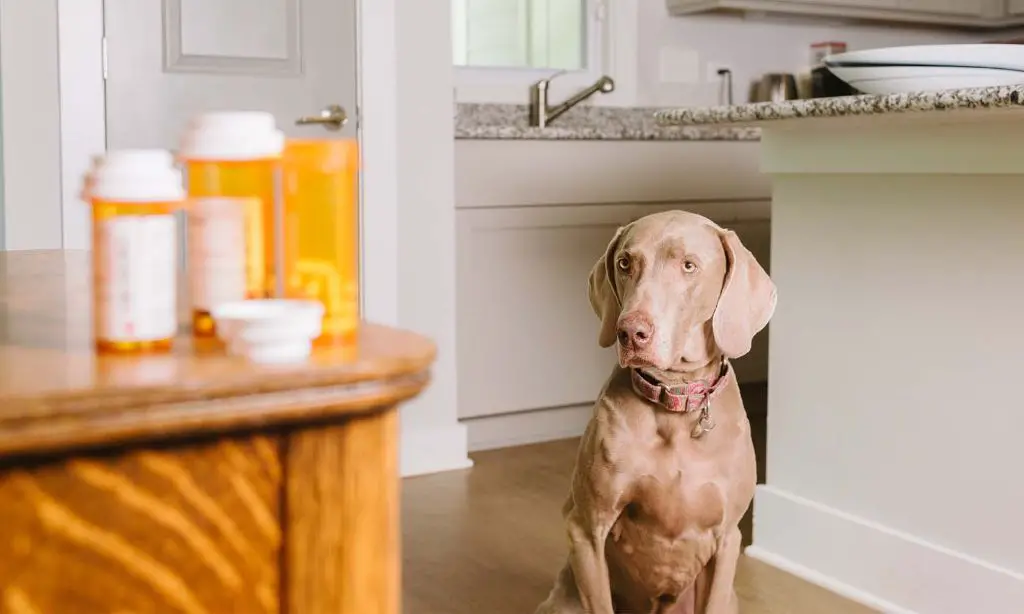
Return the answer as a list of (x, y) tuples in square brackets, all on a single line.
[(704, 423)]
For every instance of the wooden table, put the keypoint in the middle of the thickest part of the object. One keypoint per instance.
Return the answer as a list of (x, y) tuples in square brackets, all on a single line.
[(191, 482)]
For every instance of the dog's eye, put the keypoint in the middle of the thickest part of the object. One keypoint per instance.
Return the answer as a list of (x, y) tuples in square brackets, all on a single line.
[(623, 264), (689, 266)]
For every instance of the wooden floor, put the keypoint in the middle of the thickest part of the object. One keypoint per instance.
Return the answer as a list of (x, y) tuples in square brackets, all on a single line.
[(490, 540)]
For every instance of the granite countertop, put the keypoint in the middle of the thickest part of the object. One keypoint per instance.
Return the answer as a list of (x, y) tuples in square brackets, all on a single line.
[(950, 100), (583, 123)]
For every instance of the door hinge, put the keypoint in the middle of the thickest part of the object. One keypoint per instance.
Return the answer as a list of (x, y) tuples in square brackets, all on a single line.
[(103, 52)]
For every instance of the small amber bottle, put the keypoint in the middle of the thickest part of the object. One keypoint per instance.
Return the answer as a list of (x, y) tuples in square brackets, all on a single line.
[(232, 167), (134, 196), (321, 231)]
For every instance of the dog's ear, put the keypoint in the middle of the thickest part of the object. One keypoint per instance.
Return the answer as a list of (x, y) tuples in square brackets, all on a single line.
[(747, 301), (604, 298)]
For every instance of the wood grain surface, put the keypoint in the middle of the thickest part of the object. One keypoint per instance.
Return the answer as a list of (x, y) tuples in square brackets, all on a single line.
[(193, 530), (57, 394), (343, 531), (190, 482)]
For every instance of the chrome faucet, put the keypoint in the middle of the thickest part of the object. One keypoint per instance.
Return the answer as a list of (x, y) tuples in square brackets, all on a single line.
[(541, 114)]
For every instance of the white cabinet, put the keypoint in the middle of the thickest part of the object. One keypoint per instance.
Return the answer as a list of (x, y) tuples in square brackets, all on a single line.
[(966, 13), (971, 8), (1015, 7), (532, 217), (526, 334), (527, 337)]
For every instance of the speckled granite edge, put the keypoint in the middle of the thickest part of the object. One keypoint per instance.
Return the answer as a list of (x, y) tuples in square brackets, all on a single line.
[(584, 123), (977, 98)]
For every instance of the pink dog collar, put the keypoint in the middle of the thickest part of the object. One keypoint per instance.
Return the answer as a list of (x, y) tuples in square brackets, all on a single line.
[(684, 398)]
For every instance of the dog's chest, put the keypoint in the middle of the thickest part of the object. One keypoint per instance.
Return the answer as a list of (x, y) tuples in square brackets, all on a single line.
[(666, 533), (676, 488), (678, 485), (678, 497)]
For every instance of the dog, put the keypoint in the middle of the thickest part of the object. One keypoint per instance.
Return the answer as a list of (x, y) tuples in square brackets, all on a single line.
[(665, 468)]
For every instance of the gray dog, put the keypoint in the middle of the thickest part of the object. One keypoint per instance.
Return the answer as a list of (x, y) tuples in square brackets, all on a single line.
[(665, 469)]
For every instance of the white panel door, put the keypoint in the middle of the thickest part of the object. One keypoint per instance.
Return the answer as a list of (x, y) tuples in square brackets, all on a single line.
[(172, 59)]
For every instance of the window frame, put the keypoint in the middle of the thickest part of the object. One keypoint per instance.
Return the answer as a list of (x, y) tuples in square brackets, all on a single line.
[(511, 85)]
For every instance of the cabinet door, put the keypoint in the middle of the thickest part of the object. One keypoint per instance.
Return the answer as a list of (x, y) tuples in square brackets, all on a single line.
[(972, 8), (526, 334), (1015, 7), (860, 4), (527, 337)]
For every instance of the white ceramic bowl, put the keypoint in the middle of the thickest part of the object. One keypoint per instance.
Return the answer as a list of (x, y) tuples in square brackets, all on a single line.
[(898, 79), (984, 55), (269, 331)]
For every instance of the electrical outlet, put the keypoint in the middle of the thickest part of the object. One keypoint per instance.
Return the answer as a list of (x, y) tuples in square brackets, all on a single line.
[(711, 70)]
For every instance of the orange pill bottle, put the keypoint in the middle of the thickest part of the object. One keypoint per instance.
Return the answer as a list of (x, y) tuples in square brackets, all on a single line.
[(321, 231), (134, 196), (232, 172)]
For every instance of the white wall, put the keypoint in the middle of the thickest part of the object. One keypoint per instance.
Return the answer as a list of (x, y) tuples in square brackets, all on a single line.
[(432, 437), (750, 46), (31, 120)]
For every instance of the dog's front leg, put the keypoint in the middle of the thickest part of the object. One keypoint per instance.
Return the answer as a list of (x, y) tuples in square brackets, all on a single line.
[(587, 534), (721, 595)]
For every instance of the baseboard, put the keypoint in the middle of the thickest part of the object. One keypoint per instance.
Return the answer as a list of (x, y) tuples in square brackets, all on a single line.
[(432, 450), (521, 428), (882, 568)]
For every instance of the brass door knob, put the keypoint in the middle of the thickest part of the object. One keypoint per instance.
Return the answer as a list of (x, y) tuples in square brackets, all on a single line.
[(332, 117)]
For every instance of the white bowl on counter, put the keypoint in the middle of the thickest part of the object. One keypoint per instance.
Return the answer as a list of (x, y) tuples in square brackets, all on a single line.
[(981, 55), (929, 68), (899, 79), (270, 331)]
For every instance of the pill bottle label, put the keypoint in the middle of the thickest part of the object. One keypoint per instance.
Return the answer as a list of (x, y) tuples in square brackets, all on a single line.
[(216, 251), (136, 281)]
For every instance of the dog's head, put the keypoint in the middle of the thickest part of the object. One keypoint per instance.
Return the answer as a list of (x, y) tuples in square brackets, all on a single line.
[(674, 290)]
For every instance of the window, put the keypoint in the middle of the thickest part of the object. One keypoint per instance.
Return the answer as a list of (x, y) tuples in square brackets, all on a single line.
[(520, 34), (501, 46)]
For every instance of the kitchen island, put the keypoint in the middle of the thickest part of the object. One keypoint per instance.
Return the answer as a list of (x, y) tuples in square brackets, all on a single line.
[(895, 417), (192, 481)]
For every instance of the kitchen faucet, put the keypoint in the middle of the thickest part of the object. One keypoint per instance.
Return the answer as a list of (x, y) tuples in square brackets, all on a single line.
[(541, 114)]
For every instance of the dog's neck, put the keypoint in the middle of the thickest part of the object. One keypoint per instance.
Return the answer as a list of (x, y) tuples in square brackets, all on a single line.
[(689, 372), (681, 391)]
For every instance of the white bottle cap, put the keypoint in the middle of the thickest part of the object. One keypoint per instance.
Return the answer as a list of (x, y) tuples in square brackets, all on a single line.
[(135, 175), (232, 135)]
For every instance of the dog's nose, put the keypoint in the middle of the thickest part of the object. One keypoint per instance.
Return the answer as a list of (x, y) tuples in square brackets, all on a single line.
[(636, 331)]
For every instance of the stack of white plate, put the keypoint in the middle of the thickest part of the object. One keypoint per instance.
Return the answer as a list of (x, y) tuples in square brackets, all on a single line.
[(929, 68)]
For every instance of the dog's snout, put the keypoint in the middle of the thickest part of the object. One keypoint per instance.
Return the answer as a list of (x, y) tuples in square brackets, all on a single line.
[(635, 330)]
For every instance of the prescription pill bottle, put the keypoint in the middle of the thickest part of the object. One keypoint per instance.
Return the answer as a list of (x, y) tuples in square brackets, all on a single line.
[(321, 231), (134, 196), (232, 170), (224, 257)]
